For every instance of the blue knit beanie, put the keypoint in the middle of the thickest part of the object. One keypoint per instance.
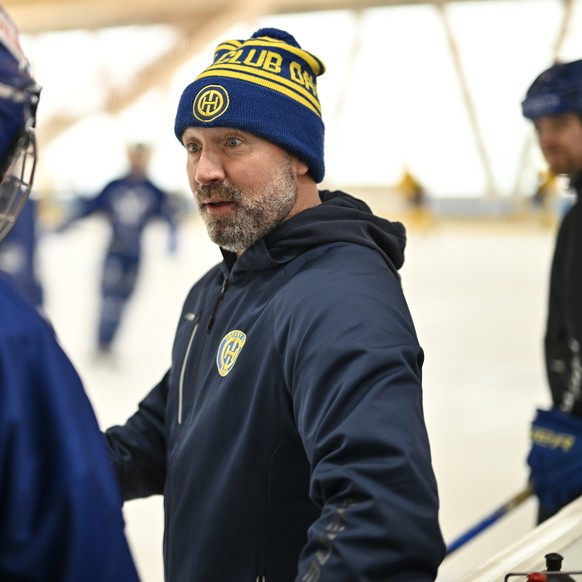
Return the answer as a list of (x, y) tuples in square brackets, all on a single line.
[(265, 85)]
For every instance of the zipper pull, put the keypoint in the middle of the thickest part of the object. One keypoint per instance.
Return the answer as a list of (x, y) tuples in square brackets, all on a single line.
[(218, 300)]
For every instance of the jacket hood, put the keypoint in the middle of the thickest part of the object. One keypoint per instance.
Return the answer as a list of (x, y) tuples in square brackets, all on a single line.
[(340, 218)]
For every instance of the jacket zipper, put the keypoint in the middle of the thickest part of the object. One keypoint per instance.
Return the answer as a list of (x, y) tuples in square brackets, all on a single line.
[(218, 300), (183, 370), (260, 576)]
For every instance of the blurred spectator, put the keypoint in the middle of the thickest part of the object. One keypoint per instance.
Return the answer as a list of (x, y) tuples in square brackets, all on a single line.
[(412, 189), (415, 196), (544, 197)]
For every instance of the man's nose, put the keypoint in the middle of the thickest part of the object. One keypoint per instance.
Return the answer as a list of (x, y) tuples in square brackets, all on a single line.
[(209, 168)]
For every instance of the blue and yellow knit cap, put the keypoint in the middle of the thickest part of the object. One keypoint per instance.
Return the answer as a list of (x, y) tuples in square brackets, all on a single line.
[(265, 85)]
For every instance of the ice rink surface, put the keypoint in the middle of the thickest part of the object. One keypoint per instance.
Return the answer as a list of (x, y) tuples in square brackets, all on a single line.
[(477, 291)]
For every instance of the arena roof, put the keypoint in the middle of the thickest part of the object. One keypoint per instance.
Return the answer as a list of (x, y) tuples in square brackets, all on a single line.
[(439, 82)]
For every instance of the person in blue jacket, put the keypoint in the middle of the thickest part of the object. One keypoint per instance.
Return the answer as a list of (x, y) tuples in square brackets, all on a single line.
[(60, 506), (129, 204), (288, 436)]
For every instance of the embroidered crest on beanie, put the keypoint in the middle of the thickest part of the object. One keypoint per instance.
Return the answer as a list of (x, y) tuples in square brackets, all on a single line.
[(265, 85)]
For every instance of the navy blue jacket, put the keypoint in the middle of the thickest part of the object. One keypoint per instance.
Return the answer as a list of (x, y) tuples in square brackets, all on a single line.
[(60, 507), (288, 436)]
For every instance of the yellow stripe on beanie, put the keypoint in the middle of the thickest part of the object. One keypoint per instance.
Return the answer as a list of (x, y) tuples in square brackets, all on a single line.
[(268, 80), (316, 65), (265, 85)]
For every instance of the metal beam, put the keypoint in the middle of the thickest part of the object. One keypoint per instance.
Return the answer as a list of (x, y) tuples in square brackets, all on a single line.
[(193, 37), (38, 16), (467, 97)]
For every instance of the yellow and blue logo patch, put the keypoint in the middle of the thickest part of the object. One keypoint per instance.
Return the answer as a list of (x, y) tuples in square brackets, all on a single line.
[(210, 103), (228, 351), (545, 437)]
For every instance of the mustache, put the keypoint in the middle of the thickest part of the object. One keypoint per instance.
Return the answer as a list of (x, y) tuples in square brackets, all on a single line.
[(218, 192)]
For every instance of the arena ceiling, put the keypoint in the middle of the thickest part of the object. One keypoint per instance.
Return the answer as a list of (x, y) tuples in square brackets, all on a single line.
[(36, 16), (197, 23)]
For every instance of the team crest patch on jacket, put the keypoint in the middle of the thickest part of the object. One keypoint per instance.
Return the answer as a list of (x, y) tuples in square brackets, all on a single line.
[(228, 350)]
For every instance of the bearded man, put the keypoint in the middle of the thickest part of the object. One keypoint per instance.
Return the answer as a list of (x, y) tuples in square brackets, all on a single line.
[(553, 103), (288, 436)]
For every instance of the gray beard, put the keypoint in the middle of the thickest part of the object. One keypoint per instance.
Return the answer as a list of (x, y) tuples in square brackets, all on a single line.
[(257, 212)]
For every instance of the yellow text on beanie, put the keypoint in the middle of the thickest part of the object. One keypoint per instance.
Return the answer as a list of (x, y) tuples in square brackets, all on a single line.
[(265, 85)]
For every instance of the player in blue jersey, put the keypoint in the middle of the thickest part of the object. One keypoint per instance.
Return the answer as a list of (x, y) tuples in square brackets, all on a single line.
[(60, 508), (128, 204)]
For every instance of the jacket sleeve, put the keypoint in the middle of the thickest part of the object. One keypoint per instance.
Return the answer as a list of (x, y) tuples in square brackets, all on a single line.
[(556, 341), (563, 337), (61, 515), (138, 448), (354, 370)]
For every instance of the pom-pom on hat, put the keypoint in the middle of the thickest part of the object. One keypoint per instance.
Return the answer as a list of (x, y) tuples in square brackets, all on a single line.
[(556, 90), (265, 85)]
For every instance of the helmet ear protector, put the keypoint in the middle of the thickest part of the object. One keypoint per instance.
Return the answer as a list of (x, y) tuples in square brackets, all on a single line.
[(557, 90)]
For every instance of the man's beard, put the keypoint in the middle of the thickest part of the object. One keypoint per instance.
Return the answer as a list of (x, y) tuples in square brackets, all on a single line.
[(560, 164), (257, 211)]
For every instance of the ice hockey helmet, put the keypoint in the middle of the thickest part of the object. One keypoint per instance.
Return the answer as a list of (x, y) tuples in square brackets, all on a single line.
[(556, 90), (19, 94)]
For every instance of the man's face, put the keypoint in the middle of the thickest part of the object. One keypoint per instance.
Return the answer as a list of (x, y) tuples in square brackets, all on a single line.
[(560, 139), (244, 186)]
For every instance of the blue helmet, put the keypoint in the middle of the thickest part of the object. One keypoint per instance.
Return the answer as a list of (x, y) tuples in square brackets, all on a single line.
[(557, 90), (19, 95)]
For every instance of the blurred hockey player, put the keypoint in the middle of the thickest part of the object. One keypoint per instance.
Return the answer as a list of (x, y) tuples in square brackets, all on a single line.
[(554, 104), (18, 254), (60, 507), (129, 204)]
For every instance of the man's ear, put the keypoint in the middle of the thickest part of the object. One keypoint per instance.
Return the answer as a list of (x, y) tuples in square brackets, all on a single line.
[(301, 168)]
